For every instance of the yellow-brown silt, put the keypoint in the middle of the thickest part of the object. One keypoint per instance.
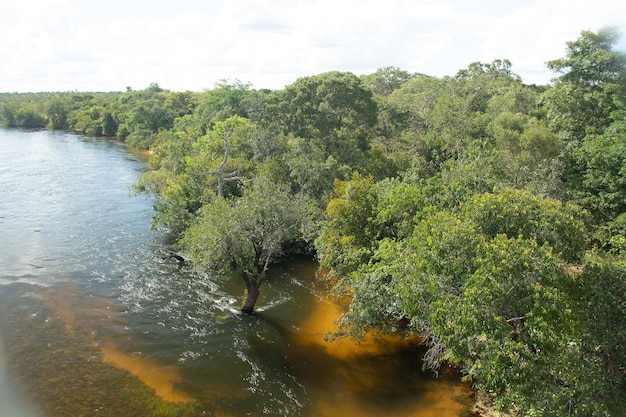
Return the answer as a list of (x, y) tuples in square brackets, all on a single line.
[(380, 375)]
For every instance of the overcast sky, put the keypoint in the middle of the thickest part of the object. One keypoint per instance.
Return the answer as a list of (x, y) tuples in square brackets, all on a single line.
[(108, 45)]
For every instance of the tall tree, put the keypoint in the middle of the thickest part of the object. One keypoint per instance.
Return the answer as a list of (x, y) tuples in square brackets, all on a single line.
[(332, 111), (586, 107), (591, 86)]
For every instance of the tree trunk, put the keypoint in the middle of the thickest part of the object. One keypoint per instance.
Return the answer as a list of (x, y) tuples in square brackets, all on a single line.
[(252, 289)]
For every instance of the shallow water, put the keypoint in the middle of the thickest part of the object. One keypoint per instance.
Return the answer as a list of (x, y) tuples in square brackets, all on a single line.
[(89, 308)]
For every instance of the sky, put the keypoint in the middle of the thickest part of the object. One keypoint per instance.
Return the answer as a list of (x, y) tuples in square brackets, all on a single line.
[(109, 45)]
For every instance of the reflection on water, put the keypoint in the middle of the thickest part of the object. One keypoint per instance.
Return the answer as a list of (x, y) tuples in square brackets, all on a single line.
[(95, 322)]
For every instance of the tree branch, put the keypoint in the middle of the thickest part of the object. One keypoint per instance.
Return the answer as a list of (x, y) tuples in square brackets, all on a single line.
[(265, 268), (511, 320)]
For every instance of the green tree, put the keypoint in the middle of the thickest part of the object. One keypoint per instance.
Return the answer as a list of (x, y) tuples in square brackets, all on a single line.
[(188, 162), (586, 107), (57, 111), (601, 165), (332, 112), (178, 195), (598, 292), (222, 101), (88, 119), (23, 110), (516, 213), (402, 120), (144, 113), (526, 154), (243, 236), (386, 80), (224, 155), (591, 87), (345, 241)]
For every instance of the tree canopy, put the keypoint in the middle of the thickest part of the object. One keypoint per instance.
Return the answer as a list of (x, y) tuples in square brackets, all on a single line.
[(243, 236)]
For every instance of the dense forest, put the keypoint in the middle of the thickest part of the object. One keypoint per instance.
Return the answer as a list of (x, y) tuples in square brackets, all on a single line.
[(486, 215)]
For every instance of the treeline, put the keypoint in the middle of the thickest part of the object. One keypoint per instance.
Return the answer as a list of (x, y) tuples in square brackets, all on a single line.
[(133, 116), (486, 215)]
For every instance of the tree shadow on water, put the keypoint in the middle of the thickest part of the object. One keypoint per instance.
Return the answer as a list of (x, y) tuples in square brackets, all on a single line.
[(379, 376)]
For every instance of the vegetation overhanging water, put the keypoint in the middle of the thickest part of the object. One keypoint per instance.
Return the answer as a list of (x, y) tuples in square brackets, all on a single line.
[(96, 322), (483, 213)]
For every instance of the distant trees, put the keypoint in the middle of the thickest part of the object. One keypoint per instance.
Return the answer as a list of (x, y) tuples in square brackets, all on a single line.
[(21, 111), (133, 116), (147, 112)]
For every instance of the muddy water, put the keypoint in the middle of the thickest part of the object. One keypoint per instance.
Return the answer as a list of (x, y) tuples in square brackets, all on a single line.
[(93, 320)]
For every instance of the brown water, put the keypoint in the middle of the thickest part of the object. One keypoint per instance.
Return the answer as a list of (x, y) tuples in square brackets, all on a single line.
[(93, 321)]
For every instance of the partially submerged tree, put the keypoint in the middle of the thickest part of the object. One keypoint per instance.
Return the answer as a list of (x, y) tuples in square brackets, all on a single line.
[(243, 236)]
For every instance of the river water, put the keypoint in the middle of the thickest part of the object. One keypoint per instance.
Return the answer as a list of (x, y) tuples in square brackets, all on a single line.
[(95, 320)]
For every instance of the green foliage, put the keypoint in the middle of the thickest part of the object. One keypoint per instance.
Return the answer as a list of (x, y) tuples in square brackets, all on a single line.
[(600, 163), (591, 87), (186, 159), (346, 241), (521, 214), (586, 106), (402, 116), (222, 102), (400, 205), (332, 112), (88, 120), (15, 113), (146, 115), (599, 294), (510, 314), (310, 173), (57, 110), (385, 81), (525, 154), (483, 281), (243, 236)]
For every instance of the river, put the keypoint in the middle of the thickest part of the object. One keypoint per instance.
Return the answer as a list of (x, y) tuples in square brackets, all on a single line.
[(96, 321)]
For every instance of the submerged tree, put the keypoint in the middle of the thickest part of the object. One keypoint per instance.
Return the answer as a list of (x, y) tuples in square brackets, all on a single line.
[(243, 236)]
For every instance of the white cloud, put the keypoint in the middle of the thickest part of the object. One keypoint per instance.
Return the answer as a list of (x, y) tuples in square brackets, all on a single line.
[(191, 44)]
